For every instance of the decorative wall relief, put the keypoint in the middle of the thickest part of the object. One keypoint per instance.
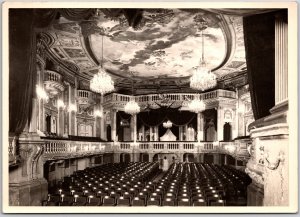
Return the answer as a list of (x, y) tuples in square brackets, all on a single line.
[(75, 53), (228, 115), (255, 176)]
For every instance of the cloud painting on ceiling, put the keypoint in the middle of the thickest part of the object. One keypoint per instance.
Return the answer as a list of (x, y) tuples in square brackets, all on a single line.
[(168, 45)]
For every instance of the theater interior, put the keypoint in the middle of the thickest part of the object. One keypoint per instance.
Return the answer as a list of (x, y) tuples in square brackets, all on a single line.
[(148, 107)]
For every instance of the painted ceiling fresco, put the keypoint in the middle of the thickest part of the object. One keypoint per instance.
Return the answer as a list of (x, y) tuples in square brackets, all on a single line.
[(169, 45), (160, 52)]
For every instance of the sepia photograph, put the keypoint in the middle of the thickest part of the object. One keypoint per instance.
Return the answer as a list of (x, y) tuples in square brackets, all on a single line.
[(150, 107)]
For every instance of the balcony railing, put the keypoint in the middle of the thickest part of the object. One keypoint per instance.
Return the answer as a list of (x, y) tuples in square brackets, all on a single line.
[(120, 98), (53, 82), (85, 97), (61, 149), (178, 146), (52, 76)]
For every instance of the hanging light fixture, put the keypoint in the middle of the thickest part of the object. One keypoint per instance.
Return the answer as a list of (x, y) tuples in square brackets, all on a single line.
[(202, 78), (196, 105), (167, 124), (41, 93), (98, 113), (101, 82), (132, 107)]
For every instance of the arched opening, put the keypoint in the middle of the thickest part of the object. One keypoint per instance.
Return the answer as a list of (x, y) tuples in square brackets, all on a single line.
[(155, 158), (48, 123), (126, 158), (108, 132), (227, 132), (121, 158), (230, 160), (188, 157), (208, 158), (144, 157)]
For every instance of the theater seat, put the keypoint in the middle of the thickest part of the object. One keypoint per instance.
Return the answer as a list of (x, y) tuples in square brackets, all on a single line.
[(123, 202), (200, 202), (138, 202), (153, 202), (108, 201), (93, 201)]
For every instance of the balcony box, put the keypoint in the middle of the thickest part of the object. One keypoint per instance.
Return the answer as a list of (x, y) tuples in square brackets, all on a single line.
[(53, 83), (86, 98)]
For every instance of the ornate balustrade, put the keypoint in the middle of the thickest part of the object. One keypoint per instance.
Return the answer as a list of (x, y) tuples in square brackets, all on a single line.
[(58, 148), (53, 82), (51, 149), (85, 97), (239, 148), (167, 147), (52, 76), (120, 99)]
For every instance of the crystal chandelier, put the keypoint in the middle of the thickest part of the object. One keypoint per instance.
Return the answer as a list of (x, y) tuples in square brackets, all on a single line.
[(196, 105), (167, 124), (202, 78), (102, 82), (132, 107)]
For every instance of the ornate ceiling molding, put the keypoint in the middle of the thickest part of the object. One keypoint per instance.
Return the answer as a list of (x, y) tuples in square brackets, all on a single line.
[(69, 45)]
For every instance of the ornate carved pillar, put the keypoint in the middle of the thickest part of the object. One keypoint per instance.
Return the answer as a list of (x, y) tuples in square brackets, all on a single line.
[(281, 59), (269, 164), (200, 122), (133, 123), (27, 187), (220, 130), (60, 116), (113, 124)]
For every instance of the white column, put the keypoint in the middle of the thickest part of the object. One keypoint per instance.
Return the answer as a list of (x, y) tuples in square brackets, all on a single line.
[(220, 123), (34, 116), (156, 133), (70, 113), (200, 127), (281, 61), (151, 133), (180, 133), (185, 132), (114, 124), (75, 118), (234, 124), (134, 128), (143, 133)]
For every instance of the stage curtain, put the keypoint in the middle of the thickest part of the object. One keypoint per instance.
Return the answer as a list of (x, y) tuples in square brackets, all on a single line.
[(22, 58), (180, 118), (21, 66), (152, 118), (259, 35), (158, 116)]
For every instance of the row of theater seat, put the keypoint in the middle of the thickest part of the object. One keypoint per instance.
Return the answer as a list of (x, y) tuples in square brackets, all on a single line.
[(131, 184)]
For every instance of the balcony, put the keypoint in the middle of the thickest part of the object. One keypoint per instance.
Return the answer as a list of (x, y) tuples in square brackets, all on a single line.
[(86, 98), (120, 100), (53, 83), (55, 149), (166, 147)]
